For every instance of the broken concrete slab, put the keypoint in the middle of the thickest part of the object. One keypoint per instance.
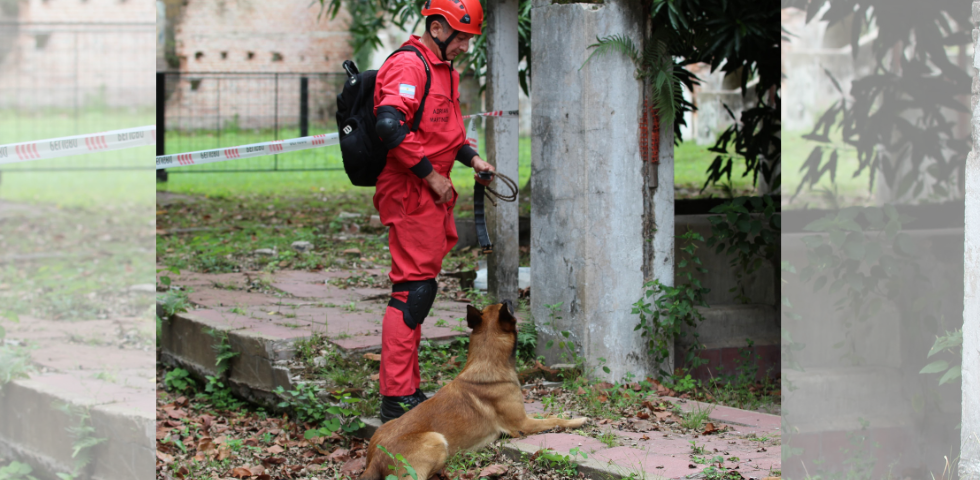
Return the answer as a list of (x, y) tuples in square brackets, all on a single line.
[(95, 368), (263, 328)]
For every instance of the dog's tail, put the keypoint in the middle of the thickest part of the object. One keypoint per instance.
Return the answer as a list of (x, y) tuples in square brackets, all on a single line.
[(373, 471)]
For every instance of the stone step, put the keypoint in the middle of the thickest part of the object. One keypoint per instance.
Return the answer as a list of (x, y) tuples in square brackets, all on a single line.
[(83, 365), (831, 399), (723, 334), (263, 329)]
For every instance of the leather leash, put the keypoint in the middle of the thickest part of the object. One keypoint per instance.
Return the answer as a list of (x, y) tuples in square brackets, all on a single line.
[(479, 216)]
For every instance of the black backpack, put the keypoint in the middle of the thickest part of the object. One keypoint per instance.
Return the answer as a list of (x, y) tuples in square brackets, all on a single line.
[(364, 155)]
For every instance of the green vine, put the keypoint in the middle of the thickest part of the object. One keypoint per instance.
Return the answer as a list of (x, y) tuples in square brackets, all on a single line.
[(673, 308), (952, 342), (83, 437), (749, 239), (222, 349)]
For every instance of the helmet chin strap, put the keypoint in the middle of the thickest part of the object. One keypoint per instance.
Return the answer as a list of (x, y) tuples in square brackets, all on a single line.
[(443, 45)]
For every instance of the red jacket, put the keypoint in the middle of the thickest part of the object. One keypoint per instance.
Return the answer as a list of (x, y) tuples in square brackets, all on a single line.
[(401, 83)]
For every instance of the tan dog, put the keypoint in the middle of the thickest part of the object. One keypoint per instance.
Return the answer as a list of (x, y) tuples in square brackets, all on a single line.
[(468, 413)]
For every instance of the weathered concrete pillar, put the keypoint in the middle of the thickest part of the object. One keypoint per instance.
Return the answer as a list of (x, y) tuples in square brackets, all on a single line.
[(591, 191), (502, 144), (970, 427)]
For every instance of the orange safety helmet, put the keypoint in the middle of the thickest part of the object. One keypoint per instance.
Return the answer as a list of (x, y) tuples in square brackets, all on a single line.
[(463, 15)]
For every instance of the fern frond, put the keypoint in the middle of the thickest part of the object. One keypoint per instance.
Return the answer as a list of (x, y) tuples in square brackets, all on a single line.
[(614, 43), (658, 65)]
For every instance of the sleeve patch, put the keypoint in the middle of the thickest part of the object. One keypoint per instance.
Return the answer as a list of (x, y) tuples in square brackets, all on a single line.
[(406, 90)]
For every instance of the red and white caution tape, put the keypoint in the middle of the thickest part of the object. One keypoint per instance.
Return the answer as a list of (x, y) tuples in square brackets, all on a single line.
[(247, 151), (78, 144), (497, 113), (282, 146)]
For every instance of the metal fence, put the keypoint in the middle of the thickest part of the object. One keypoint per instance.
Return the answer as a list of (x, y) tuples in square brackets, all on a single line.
[(215, 110), (200, 111), (64, 79)]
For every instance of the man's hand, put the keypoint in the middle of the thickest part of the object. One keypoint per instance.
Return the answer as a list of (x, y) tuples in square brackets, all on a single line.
[(440, 186), (480, 166)]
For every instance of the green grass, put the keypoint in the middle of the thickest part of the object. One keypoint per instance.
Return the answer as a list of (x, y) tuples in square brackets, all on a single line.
[(86, 189), (795, 152), (21, 126), (92, 188), (269, 183), (691, 161)]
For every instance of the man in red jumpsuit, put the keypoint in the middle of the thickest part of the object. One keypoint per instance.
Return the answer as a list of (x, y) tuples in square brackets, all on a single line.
[(414, 196)]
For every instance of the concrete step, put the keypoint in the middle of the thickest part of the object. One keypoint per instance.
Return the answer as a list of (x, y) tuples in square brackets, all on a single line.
[(724, 332), (263, 328), (828, 399), (85, 365)]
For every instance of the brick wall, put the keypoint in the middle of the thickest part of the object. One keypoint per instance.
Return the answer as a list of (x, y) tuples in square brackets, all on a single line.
[(68, 66), (260, 38)]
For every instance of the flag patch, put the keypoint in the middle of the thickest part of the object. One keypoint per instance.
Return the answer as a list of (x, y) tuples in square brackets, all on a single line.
[(406, 90)]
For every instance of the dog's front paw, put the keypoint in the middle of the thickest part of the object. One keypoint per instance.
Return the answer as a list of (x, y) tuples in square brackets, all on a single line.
[(577, 422)]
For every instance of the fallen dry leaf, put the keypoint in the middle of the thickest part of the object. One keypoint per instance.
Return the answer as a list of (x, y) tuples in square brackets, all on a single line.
[(493, 471), (275, 449), (644, 426), (375, 377), (353, 466), (165, 458), (644, 438), (239, 472), (339, 455), (206, 445), (223, 452), (176, 413), (643, 415), (352, 251), (373, 356), (602, 399), (709, 428), (257, 470)]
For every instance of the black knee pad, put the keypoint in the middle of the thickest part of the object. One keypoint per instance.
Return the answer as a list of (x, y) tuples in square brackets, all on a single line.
[(421, 294)]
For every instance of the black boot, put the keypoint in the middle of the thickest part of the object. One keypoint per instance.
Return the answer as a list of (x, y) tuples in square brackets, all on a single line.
[(420, 395), (391, 407)]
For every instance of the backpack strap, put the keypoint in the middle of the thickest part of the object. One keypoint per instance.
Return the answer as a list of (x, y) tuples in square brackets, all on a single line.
[(428, 81)]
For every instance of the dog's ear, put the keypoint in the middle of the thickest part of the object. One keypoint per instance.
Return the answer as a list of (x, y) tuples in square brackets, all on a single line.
[(506, 318), (474, 317)]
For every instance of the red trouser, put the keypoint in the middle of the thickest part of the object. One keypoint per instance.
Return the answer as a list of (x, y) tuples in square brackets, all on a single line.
[(420, 235)]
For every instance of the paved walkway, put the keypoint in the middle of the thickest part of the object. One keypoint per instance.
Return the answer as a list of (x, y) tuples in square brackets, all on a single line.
[(350, 318), (749, 444)]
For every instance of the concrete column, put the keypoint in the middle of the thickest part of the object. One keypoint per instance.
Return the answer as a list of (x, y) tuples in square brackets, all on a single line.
[(502, 144), (969, 468), (591, 192)]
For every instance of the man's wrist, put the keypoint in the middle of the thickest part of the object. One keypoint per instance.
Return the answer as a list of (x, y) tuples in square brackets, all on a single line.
[(423, 168), (466, 155)]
